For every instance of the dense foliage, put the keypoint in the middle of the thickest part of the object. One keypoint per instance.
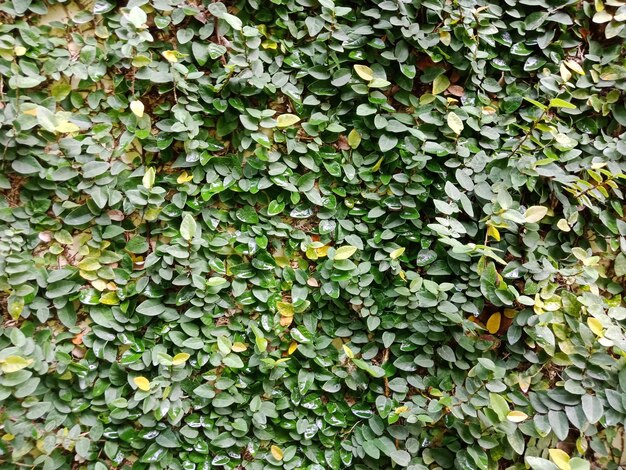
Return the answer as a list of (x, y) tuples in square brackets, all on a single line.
[(309, 234)]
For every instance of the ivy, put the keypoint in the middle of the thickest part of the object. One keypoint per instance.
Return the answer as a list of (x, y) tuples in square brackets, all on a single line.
[(312, 234)]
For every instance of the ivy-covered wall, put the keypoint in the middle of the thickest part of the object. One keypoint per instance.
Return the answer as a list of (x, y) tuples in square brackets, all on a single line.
[(312, 234)]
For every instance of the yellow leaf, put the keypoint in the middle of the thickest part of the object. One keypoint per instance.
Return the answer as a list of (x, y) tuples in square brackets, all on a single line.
[(517, 416), (14, 363), (184, 178), (344, 252), (348, 351), (19, 50), (560, 458), (170, 56), (292, 348), (65, 127), (137, 108), (364, 72), (354, 139), (142, 383), (269, 45), (535, 213), (493, 233), (401, 409), (322, 251), (277, 453), (285, 321), (239, 347), (595, 325), (510, 313), (8, 437), (285, 309), (180, 358), (31, 112), (397, 252), (493, 324), (286, 120), (376, 167)]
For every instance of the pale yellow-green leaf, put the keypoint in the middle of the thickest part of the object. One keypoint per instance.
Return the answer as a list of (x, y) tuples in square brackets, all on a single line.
[(378, 83), (137, 108), (239, 347), (348, 351), (277, 453), (148, 178), (563, 225), (286, 120), (142, 383), (559, 103), (180, 358), (14, 363), (285, 309), (595, 325), (535, 214), (364, 72), (397, 252), (292, 348), (493, 324), (344, 252), (517, 416), (560, 458), (110, 298), (65, 127), (440, 84), (19, 50), (565, 73), (575, 67), (354, 138), (455, 123)]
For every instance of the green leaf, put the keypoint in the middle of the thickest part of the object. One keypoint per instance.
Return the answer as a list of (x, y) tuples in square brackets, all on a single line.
[(593, 408), (14, 363), (559, 103), (354, 139), (537, 463), (344, 252), (499, 405), (188, 227), (440, 84), (401, 457)]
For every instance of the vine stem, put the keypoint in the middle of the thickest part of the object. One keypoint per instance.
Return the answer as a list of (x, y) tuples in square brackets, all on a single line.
[(528, 134)]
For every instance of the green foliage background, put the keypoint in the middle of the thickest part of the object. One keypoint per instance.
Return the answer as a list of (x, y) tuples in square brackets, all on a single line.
[(312, 234)]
